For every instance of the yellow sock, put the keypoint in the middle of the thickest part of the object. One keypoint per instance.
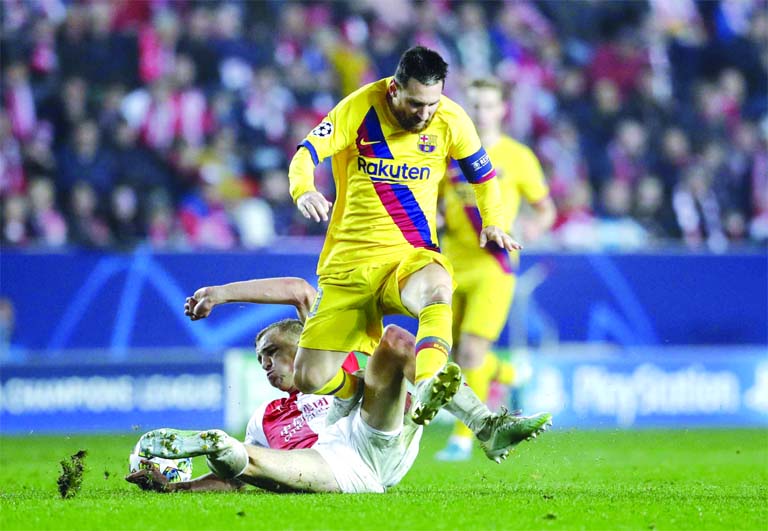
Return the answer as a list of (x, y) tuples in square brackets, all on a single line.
[(343, 385), (505, 374), (433, 340), (479, 379)]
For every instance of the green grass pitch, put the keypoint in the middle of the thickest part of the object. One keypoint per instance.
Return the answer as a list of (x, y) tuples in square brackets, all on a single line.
[(567, 479)]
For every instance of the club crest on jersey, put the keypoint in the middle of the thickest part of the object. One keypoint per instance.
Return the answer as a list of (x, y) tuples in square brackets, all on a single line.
[(427, 143)]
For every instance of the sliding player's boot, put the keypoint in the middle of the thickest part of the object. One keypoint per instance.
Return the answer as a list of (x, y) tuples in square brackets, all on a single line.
[(434, 393), (173, 444), (226, 457)]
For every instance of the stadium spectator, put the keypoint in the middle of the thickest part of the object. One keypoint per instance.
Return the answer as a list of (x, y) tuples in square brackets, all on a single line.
[(72, 43), (87, 226), (12, 179), (627, 152), (195, 44), (19, 101), (617, 230), (163, 229), (157, 46), (621, 61), (49, 227), (474, 47), (575, 226), (698, 210), (38, 156), (16, 229), (653, 211), (135, 163), (193, 118), (66, 108), (205, 220), (562, 160), (84, 158), (220, 165), (125, 219), (274, 188), (385, 46), (111, 56), (675, 156)]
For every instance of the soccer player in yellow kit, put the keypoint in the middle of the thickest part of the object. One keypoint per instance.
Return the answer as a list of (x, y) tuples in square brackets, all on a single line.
[(390, 143), (486, 277)]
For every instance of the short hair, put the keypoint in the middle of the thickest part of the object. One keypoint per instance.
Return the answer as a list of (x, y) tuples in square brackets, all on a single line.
[(422, 64), (491, 83), (291, 327)]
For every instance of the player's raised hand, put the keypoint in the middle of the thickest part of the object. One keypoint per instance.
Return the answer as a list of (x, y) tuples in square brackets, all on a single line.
[(314, 205), (501, 238), (149, 478), (201, 304)]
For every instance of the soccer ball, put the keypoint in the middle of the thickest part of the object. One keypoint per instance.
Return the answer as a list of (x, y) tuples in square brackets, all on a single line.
[(175, 470)]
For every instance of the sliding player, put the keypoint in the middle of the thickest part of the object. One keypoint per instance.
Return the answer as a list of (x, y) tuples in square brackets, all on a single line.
[(366, 452)]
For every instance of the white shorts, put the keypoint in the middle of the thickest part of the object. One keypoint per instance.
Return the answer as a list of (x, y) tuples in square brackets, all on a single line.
[(364, 459)]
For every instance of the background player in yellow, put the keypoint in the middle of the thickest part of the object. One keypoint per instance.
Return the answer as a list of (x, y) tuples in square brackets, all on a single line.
[(390, 143), (486, 276)]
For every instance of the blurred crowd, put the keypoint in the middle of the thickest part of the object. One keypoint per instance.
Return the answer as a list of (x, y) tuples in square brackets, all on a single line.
[(172, 122)]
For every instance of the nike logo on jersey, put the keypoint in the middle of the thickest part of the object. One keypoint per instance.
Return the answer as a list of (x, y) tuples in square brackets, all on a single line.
[(367, 143)]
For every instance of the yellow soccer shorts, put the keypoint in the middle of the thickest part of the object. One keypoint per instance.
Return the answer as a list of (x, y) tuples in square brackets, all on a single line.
[(349, 307), (481, 301)]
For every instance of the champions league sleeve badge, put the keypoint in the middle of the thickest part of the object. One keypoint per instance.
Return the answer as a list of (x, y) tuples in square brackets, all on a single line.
[(324, 129)]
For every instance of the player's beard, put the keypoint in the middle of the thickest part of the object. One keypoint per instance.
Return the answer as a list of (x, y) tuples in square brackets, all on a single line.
[(412, 124)]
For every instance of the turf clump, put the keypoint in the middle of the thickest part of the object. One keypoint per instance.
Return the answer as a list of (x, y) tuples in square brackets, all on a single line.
[(71, 477)]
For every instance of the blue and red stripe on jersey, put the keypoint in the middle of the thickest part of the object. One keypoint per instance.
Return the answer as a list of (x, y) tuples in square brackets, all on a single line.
[(370, 138), (477, 168), (402, 207)]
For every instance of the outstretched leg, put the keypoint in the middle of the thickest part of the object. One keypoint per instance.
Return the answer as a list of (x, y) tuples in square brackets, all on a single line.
[(278, 470), (288, 470)]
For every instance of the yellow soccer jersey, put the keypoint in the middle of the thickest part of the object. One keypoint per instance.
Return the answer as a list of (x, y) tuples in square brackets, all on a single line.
[(520, 176), (387, 179)]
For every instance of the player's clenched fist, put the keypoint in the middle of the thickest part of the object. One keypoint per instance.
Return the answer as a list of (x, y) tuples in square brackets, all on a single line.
[(314, 205), (200, 305), (501, 238)]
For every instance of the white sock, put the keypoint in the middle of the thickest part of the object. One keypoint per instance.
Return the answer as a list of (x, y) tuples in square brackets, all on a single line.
[(229, 462), (466, 407)]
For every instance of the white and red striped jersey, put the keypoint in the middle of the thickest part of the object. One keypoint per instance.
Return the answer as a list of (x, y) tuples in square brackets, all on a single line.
[(292, 422), (288, 423)]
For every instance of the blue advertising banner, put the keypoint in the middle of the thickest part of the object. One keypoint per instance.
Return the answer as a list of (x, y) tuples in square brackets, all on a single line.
[(124, 301), (119, 397), (672, 387)]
